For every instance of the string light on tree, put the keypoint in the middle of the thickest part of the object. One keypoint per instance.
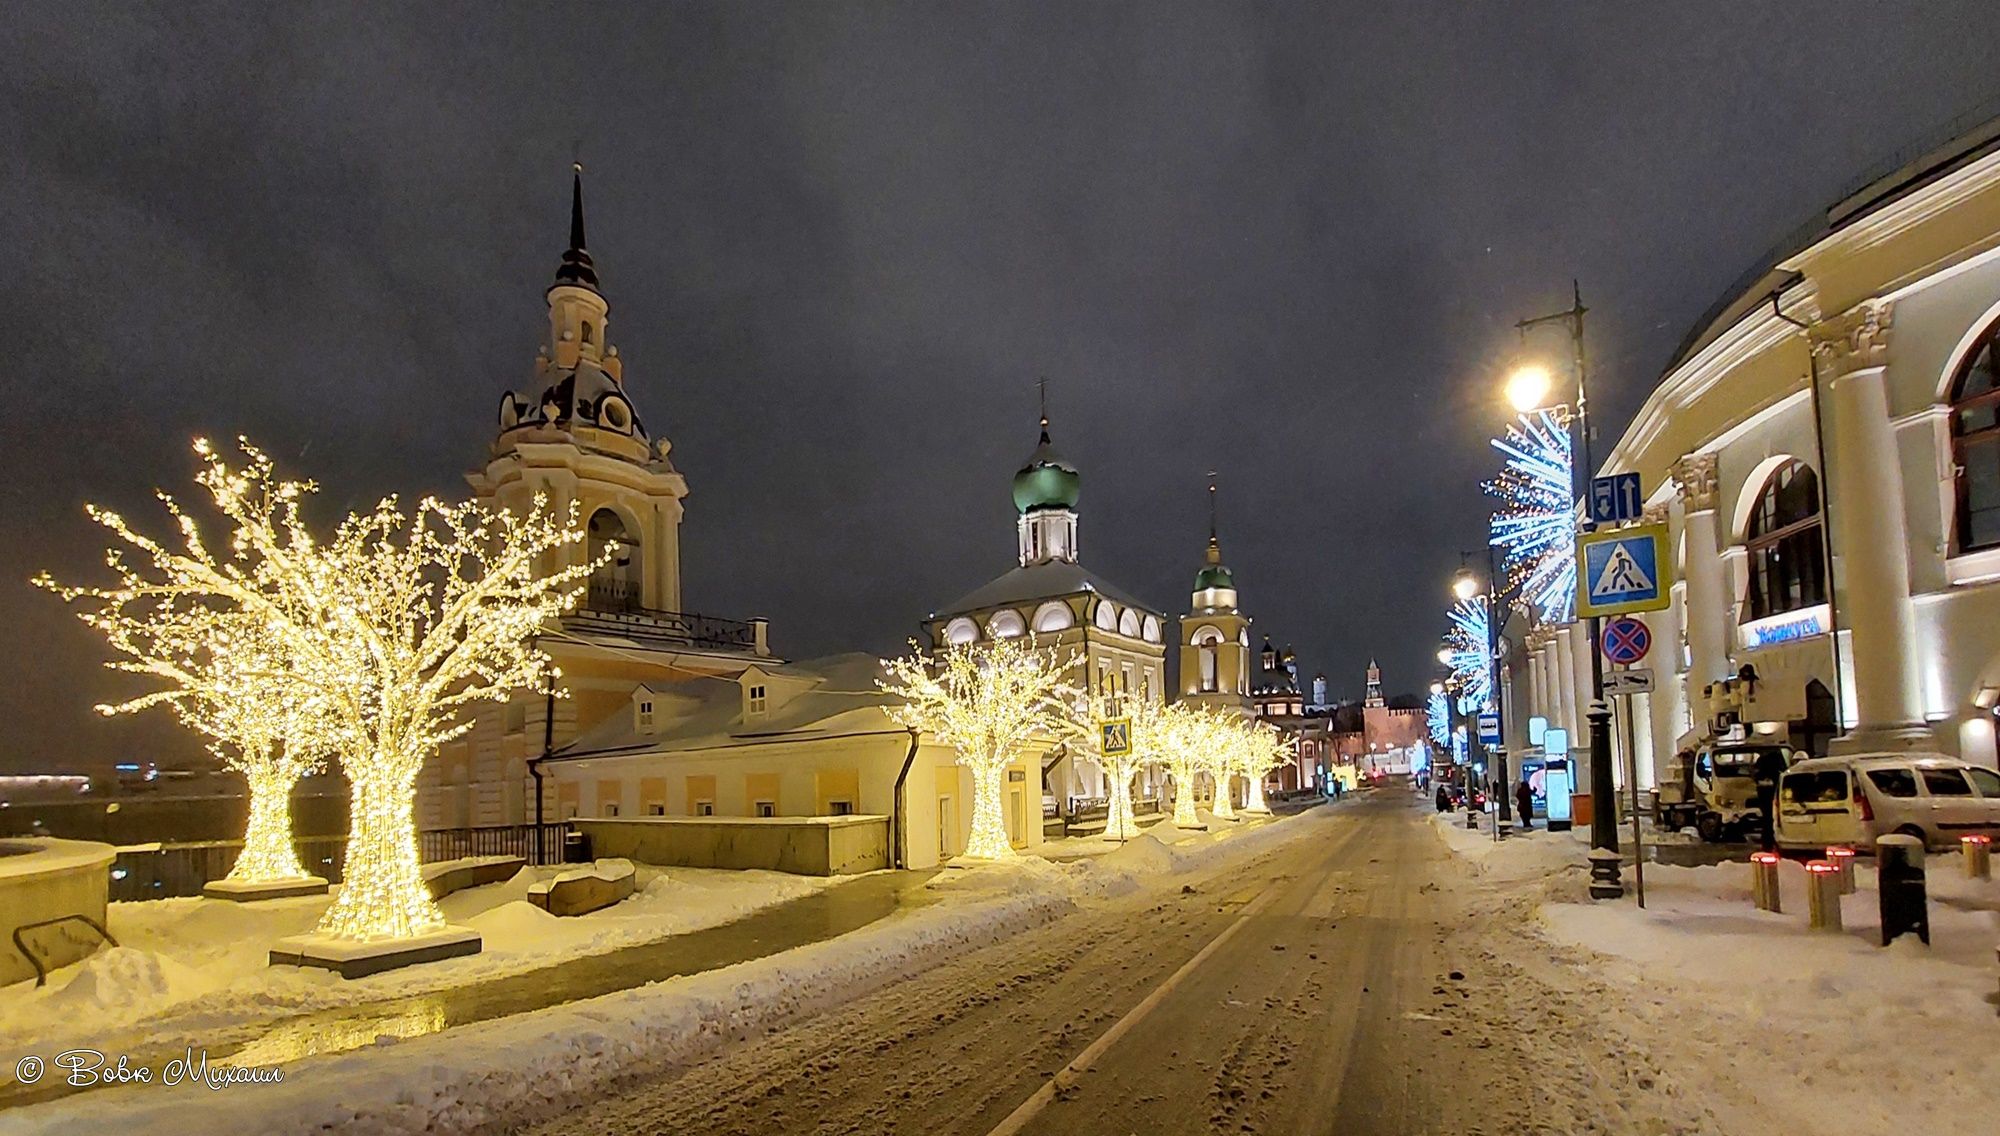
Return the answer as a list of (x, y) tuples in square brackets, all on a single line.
[(1184, 736), (400, 622), (1088, 713), (991, 702), (1259, 750), (1535, 525)]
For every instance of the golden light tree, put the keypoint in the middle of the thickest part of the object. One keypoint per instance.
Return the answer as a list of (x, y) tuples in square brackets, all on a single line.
[(1260, 749), (989, 701), (398, 623), (1221, 745), (224, 677), (1185, 734), (1087, 713)]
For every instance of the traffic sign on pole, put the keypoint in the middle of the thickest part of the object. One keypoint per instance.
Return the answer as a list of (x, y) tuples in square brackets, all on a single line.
[(1489, 729), (1623, 570), (1618, 683), (1626, 641), (1616, 498)]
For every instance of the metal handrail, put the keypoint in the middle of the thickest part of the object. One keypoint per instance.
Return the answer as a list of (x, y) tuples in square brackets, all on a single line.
[(42, 972)]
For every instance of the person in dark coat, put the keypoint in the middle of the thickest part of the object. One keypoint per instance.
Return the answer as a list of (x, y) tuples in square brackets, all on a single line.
[(1443, 799), (1524, 803)]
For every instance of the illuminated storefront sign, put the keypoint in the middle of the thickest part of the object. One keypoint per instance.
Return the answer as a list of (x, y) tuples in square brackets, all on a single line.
[(1790, 627)]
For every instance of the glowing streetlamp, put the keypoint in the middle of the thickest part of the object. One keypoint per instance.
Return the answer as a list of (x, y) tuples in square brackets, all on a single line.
[(1528, 387)]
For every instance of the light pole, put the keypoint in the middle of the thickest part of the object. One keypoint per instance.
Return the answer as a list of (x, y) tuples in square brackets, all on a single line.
[(1531, 384)]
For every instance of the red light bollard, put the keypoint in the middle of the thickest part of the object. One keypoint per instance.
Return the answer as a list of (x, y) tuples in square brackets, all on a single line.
[(1823, 894), (1978, 849), (1764, 881), (1842, 857)]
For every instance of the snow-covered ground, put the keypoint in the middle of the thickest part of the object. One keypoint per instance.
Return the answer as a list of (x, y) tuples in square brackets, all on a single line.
[(465, 1078), (1753, 1022), (185, 966)]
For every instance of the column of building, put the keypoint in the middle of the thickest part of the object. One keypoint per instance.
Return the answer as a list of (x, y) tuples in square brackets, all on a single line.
[(1871, 531)]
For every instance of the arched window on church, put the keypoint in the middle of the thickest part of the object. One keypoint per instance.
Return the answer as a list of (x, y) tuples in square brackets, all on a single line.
[(587, 332), (1975, 443), (1787, 555), (1207, 644), (615, 586)]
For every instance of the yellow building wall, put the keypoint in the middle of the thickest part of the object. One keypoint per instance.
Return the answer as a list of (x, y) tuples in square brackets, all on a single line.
[(762, 787), (700, 789)]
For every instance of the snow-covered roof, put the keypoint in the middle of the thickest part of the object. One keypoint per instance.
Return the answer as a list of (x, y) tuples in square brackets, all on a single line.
[(841, 697), (1041, 582)]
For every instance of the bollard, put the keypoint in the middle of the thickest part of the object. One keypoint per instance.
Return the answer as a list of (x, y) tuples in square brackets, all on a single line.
[(1842, 857), (1823, 894), (1899, 881), (1978, 849), (1764, 881)]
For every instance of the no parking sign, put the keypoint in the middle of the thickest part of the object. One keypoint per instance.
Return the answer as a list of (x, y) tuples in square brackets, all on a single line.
[(1626, 641)]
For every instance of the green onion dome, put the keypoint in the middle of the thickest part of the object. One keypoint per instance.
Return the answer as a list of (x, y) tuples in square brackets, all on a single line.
[(1047, 481)]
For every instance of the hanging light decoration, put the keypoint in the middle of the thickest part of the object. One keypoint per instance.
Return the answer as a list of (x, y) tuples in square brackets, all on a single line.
[(1535, 525), (1465, 653)]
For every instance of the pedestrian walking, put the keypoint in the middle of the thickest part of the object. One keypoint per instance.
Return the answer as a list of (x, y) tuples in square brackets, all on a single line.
[(1524, 802)]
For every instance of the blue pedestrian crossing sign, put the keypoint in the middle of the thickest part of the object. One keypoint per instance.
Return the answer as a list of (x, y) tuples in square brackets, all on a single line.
[(1623, 570), (1615, 498)]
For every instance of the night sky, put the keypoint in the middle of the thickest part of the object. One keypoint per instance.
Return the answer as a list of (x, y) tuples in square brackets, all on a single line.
[(842, 241)]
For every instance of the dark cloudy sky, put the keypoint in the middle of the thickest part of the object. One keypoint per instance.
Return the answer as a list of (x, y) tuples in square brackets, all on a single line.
[(841, 240)]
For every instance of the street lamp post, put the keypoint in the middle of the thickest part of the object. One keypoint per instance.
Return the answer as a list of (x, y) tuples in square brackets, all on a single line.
[(1604, 881)]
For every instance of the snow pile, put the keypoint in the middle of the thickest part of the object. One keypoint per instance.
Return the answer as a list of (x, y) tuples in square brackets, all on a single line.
[(192, 966), (500, 1073), (1790, 1029)]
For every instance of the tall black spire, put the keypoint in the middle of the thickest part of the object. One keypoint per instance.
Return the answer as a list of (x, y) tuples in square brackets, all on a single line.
[(576, 267)]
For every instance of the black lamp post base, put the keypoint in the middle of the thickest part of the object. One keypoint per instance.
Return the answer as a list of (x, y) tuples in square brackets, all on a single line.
[(1604, 881)]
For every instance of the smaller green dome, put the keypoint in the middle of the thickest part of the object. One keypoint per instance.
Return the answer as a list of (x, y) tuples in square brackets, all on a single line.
[(1046, 482), (1213, 576)]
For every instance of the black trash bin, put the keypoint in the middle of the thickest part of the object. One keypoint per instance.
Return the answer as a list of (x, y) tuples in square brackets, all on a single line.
[(576, 849), (1899, 867)]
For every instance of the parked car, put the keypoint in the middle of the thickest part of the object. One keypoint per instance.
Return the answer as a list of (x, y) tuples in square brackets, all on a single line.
[(1854, 799)]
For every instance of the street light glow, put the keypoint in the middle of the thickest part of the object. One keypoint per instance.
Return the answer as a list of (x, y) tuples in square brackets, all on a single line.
[(1528, 387), (1464, 585), (1444, 655)]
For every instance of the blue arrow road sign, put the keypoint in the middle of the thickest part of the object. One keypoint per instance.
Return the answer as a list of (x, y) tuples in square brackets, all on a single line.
[(1623, 570), (1616, 498)]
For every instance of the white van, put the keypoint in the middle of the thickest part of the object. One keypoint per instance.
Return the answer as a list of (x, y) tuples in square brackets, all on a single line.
[(1853, 800)]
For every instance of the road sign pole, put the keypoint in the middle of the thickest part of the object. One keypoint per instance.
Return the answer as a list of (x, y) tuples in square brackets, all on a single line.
[(1632, 783)]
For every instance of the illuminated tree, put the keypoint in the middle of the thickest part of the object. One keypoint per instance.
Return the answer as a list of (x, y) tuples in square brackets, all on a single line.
[(1087, 713), (1219, 755), (1259, 750), (225, 677), (398, 623), (989, 701), (1185, 737)]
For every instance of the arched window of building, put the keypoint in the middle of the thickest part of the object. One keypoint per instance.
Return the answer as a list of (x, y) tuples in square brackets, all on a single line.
[(1053, 616), (1206, 642), (1107, 615), (616, 585), (1787, 555), (1128, 624), (1006, 624), (1975, 442), (961, 631)]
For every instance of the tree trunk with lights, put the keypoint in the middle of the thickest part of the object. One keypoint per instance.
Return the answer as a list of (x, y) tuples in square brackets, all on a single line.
[(1119, 822), (1184, 800), (1254, 799), (1224, 807), (268, 853), (988, 840), (384, 896)]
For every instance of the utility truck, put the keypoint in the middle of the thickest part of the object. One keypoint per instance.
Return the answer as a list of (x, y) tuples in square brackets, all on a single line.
[(1711, 784)]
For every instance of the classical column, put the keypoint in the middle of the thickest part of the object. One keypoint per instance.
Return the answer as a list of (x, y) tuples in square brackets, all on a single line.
[(1707, 593), (1566, 701), (1871, 537), (1537, 691)]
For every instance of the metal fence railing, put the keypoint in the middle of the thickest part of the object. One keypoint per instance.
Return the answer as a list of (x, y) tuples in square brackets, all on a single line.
[(163, 871)]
